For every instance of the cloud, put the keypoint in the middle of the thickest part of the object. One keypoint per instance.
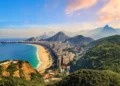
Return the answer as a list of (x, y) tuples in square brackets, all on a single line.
[(110, 12), (75, 5)]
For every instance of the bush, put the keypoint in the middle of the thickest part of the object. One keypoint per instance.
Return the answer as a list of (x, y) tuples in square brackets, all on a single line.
[(91, 78)]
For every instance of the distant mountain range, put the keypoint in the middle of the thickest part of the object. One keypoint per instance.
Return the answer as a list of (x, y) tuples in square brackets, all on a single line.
[(96, 33), (62, 36), (100, 32), (76, 40)]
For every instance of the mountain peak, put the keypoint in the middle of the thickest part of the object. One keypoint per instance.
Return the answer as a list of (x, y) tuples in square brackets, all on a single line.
[(79, 36), (108, 29), (60, 33), (106, 26), (60, 36)]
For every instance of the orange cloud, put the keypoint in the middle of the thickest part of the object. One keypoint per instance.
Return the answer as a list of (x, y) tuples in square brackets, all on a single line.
[(110, 12), (75, 5)]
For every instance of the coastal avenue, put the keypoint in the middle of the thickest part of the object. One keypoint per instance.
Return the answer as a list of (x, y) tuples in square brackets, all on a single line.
[(43, 44)]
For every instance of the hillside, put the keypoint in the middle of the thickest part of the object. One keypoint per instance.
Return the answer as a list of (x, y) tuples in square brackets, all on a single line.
[(105, 56), (111, 39), (17, 73), (79, 40), (91, 78), (16, 69), (60, 36)]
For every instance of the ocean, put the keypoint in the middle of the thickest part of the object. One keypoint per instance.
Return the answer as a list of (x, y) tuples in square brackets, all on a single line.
[(19, 52)]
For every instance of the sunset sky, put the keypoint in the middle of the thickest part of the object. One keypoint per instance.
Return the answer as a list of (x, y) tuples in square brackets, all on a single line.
[(33, 17)]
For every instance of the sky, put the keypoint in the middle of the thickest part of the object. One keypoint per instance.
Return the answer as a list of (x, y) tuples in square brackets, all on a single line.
[(25, 18)]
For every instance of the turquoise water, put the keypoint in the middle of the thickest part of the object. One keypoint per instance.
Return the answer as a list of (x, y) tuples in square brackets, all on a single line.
[(19, 52)]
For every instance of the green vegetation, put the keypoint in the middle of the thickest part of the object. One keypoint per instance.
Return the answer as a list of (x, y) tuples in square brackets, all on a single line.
[(13, 81), (35, 78), (105, 56), (1, 70), (12, 68), (91, 78), (111, 39)]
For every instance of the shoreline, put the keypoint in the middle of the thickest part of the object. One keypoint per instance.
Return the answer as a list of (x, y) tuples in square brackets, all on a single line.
[(44, 58)]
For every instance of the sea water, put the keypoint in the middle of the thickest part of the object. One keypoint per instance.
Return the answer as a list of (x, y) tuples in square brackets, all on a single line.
[(19, 51)]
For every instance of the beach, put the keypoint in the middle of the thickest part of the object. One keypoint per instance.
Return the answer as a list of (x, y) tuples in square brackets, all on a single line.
[(44, 58)]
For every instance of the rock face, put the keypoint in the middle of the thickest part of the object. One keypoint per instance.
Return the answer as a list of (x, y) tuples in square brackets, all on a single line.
[(16, 69), (79, 40), (60, 36)]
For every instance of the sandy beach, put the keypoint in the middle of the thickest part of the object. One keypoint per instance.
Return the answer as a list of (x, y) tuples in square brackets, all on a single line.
[(44, 57)]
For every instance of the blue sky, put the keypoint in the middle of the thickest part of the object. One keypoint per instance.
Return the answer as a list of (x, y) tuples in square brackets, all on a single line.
[(46, 15)]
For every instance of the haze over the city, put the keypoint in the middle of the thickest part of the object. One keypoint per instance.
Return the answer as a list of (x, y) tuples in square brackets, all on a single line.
[(27, 18)]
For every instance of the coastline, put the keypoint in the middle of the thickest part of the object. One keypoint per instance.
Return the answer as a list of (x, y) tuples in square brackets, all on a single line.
[(44, 58)]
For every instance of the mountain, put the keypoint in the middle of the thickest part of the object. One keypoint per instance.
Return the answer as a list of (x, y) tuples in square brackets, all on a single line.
[(91, 78), (19, 73), (103, 56), (31, 39), (60, 36), (108, 29), (102, 32), (44, 36), (97, 33), (79, 40)]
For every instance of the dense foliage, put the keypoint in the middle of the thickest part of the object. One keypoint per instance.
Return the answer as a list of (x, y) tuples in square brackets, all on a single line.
[(11, 69), (13, 81), (105, 56), (111, 39), (91, 78)]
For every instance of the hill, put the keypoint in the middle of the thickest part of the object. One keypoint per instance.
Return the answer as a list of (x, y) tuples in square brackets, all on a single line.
[(112, 39), (16, 69), (60, 36), (91, 78), (79, 40), (17, 73), (105, 56)]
